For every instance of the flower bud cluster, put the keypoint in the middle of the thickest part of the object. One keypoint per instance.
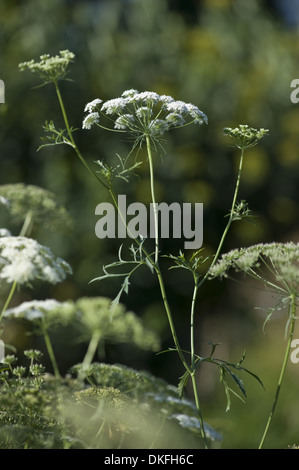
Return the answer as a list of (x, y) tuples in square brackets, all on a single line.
[(244, 136), (50, 69)]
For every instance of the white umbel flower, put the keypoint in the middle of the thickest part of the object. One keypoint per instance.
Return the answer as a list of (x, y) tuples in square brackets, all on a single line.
[(116, 105), (4, 201), (32, 310), (4, 232), (150, 114), (24, 259), (90, 107), (90, 120)]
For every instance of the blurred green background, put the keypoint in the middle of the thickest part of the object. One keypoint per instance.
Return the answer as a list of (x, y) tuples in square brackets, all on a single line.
[(235, 60)]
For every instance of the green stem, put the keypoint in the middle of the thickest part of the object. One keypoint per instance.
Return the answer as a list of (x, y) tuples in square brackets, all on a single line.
[(283, 368), (79, 154), (156, 266), (114, 200), (192, 315), (70, 134), (191, 370), (92, 347), (11, 293), (51, 352), (202, 428), (170, 320), (150, 159), (197, 284), (94, 340), (27, 225), (231, 216)]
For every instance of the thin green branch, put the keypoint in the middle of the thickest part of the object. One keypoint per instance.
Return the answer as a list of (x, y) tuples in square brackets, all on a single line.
[(231, 216), (292, 316), (50, 352), (7, 302), (70, 134)]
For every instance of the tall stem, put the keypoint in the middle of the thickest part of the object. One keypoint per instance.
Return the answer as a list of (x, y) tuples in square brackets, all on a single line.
[(292, 311), (198, 283), (190, 370), (156, 266), (94, 340), (151, 167)]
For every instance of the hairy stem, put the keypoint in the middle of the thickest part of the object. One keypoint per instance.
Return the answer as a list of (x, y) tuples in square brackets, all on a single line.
[(292, 311)]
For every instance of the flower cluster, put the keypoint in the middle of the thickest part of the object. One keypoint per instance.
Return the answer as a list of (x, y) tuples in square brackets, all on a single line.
[(89, 316), (50, 69), (244, 136), (4, 232), (38, 202), (143, 113), (33, 310), (94, 315), (280, 259), (152, 392), (23, 260), (4, 201)]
